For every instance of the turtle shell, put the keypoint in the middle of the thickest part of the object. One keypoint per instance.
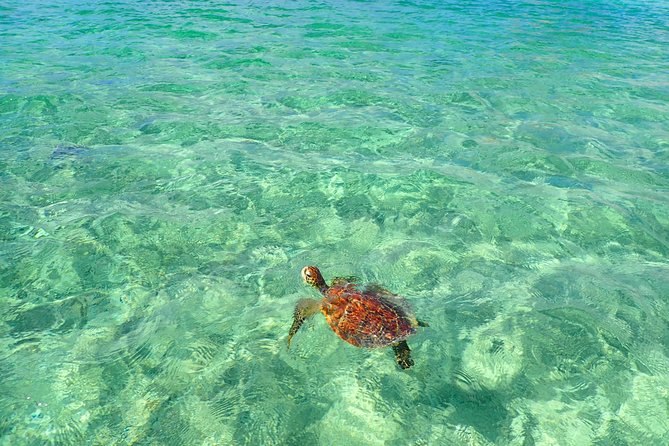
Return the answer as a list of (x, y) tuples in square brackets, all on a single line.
[(370, 317)]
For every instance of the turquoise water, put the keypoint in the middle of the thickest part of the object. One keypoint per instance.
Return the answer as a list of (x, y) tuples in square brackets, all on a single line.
[(167, 168)]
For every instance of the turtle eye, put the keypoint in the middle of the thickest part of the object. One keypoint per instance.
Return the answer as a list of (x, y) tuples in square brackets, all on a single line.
[(307, 273)]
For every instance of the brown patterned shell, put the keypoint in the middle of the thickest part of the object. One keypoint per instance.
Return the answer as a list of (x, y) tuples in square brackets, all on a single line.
[(371, 318)]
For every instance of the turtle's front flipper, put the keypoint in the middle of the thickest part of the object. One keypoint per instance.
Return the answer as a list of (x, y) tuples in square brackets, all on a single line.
[(403, 354), (341, 281), (303, 309)]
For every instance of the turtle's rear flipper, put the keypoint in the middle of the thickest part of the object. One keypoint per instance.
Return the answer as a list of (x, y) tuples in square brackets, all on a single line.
[(303, 309), (403, 354)]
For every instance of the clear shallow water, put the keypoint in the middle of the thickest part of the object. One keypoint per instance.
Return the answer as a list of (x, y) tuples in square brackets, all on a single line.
[(166, 169)]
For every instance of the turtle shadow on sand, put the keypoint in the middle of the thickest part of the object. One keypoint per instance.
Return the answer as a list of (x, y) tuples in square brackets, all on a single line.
[(65, 154), (369, 316)]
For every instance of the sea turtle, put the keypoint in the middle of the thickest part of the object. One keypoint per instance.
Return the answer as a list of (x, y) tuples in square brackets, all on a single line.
[(369, 316)]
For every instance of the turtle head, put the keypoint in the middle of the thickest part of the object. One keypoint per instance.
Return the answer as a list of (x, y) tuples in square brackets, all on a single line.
[(312, 276)]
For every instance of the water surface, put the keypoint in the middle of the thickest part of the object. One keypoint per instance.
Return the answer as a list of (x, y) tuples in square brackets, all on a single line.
[(167, 168)]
